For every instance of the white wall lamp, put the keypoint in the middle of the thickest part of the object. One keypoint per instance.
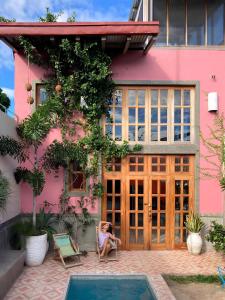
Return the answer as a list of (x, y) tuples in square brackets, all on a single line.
[(212, 101)]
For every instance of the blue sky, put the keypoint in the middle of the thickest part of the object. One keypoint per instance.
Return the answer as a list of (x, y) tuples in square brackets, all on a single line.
[(30, 10)]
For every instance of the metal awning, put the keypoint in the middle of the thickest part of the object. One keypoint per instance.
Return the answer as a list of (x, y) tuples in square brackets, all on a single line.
[(119, 36)]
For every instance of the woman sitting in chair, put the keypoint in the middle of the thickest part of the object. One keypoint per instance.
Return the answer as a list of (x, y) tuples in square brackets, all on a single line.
[(106, 238)]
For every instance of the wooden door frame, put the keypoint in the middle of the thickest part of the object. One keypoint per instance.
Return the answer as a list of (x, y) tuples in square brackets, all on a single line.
[(170, 176)]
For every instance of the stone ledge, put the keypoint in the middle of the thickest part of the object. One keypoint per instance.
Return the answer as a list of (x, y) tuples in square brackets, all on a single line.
[(12, 263)]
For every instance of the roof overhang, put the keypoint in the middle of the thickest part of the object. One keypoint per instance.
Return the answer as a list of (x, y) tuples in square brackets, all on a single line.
[(122, 36)]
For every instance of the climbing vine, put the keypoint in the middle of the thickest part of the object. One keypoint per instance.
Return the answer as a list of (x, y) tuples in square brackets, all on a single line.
[(80, 89)]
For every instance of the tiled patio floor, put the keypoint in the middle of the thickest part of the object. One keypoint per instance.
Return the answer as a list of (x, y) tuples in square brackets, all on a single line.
[(49, 280)]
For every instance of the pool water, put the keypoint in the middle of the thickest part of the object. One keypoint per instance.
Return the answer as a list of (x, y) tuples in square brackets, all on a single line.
[(115, 287)]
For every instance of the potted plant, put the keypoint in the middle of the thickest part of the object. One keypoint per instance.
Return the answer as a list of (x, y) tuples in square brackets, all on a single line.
[(32, 132), (194, 225), (27, 237)]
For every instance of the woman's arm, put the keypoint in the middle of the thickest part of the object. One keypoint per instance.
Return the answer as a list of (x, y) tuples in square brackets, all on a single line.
[(112, 237), (100, 226)]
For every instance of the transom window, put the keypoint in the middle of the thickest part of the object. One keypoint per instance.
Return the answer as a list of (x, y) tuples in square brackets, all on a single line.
[(151, 115), (190, 22)]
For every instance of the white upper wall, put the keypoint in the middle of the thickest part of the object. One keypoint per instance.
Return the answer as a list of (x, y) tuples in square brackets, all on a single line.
[(8, 166)]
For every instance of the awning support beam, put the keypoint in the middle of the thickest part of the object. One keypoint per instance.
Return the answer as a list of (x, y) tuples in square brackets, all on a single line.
[(127, 44), (149, 44)]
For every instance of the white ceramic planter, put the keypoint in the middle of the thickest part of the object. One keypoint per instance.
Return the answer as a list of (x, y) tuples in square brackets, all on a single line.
[(36, 248), (194, 243)]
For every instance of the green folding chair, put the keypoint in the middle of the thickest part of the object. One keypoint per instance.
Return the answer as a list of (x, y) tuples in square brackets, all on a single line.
[(221, 273), (67, 250)]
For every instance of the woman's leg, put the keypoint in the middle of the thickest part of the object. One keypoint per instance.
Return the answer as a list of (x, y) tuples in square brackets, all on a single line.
[(106, 248)]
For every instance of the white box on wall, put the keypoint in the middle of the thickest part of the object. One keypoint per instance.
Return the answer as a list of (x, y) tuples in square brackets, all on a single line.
[(212, 101)]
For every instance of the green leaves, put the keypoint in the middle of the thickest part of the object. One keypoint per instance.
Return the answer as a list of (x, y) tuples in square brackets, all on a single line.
[(34, 178), (4, 191), (34, 129), (216, 236), (194, 223), (13, 148), (4, 100)]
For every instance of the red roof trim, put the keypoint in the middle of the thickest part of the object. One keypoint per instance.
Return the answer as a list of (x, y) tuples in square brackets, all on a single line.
[(79, 28)]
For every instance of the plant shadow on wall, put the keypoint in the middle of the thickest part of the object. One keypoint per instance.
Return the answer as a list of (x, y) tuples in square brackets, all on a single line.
[(80, 89), (214, 144), (5, 192)]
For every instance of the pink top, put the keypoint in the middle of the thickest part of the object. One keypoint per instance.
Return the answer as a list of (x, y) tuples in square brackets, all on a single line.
[(102, 236)]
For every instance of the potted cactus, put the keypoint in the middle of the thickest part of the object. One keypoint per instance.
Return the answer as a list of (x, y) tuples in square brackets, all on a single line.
[(194, 225)]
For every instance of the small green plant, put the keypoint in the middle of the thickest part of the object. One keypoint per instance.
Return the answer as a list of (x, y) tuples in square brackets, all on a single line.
[(4, 101), (216, 236), (194, 278), (194, 223), (4, 191)]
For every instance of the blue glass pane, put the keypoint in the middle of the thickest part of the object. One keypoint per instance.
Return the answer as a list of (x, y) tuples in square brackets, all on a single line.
[(109, 118), (187, 98), (154, 133), (177, 133), (132, 115), (163, 97), (187, 133), (177, 97), (141, 97), (108, 130), (176, 22), (141, 115), (187, 115), (177, 115), (118, 115), (131, 133), (196, 22), (154, 97), (154, 115), (118, 133), (141, 133), (118, 98), (163, 115), (132, 97), (215, 22), (163, 133), (43, 95)]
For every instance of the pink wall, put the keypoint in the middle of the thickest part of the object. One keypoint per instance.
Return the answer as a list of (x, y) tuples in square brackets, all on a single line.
[(159, 64), (183, 65), (54, 186)]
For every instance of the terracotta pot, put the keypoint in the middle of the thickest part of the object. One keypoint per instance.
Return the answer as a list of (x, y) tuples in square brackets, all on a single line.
[(28, 87), (36, 249), (30, 100), (194, 243), (58, 88)]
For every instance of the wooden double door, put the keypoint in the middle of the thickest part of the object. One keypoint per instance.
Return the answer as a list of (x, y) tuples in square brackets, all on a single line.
[(147, 199)]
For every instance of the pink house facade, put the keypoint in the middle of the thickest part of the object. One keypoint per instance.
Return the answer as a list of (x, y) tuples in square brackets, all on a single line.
[(164, 106)]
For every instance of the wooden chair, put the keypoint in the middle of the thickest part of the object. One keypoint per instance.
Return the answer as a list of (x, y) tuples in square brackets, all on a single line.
[(112, 255), (67, 250)]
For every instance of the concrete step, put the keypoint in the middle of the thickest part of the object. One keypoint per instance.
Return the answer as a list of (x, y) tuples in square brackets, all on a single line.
[(11, 266)]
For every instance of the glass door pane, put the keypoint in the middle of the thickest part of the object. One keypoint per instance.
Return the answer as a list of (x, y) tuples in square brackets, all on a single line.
[(136, 213), (113, 205), (158, 198)]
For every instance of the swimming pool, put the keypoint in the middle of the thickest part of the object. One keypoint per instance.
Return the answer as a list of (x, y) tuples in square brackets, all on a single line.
[(109, 287)]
